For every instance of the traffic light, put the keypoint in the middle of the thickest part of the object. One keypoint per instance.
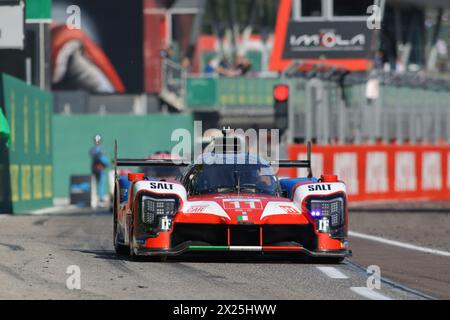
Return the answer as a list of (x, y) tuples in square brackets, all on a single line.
[(281, 106)]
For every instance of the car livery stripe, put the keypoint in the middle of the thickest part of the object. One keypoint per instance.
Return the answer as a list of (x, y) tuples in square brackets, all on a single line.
[(274, 248), (245, 248), (209, 248)]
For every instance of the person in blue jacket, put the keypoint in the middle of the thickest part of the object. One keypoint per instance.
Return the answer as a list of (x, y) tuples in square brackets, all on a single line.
[(98, 166)]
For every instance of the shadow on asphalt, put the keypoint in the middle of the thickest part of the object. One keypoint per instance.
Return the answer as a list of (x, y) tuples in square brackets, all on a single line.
[(227, 257)]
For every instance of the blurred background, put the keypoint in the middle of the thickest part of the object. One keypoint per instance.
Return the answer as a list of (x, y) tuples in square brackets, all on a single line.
[(367, 82)]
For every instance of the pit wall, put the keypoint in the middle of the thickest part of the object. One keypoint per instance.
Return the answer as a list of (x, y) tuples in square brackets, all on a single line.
[(383, 172), (26, 166)]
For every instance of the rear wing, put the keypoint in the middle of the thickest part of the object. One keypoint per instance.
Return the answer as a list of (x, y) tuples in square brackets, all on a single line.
[(146, 162), (297, 163), (183, 163)]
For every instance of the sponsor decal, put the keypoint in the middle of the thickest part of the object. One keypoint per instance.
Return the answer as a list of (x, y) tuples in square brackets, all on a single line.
[(324, 225), (165, 224), (319, 187), (161, 186), (242, 218), (205, 207), (275, 208), (242, 204), (290, 209), (196, 209)]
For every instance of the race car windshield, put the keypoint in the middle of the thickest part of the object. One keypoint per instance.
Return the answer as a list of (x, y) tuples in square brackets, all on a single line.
[(253, 179)]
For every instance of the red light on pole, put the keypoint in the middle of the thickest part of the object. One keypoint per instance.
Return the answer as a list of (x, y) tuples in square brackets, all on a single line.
[(281, 106), (281, 92)]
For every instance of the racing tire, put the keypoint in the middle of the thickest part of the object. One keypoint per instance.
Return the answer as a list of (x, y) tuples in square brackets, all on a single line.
[(121, 250), (131, 252), (132, 255)]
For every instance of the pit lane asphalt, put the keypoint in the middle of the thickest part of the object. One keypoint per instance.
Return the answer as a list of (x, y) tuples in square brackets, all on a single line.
[(425, 227), (35, 252)]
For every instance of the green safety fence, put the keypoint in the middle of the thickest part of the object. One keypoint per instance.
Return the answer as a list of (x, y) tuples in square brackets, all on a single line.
[(246, 92), (201, 92), (137, 136), (213, 93), (26, 168)]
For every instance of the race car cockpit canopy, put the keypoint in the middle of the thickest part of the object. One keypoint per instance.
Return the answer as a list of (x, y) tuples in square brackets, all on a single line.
[(232, 173)]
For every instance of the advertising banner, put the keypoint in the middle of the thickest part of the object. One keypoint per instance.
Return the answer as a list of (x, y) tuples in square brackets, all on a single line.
[(345, 44), (383, 172), (327, 39)]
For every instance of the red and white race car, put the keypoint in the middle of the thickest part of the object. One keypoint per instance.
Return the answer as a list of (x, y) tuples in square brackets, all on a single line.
[(230, 202)]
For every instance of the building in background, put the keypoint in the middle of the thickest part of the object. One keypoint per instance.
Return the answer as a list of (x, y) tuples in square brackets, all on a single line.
[(29, 61)]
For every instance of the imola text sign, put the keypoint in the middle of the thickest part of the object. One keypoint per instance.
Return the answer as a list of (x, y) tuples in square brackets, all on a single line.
[(332, 40)]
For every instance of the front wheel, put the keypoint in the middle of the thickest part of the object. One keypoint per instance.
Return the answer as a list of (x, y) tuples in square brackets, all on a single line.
[(132, 254), (119, 248)]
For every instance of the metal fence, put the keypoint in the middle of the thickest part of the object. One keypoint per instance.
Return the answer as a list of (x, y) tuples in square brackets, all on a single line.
[(173, 89), (408, 109), (333, 114)]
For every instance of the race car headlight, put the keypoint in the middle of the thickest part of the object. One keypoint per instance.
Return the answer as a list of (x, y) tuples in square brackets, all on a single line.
[(153, 208), (332, 209)]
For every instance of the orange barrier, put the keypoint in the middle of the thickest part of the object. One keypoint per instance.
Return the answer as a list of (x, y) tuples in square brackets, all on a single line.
[(383, 172)]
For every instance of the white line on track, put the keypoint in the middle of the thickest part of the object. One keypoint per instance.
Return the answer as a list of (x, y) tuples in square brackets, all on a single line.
[(332, 272), (369, 293), (399, 244), (52, 210)]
